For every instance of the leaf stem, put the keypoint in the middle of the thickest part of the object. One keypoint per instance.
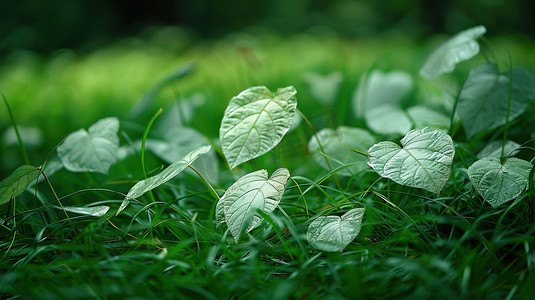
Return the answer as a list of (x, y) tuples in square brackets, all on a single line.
[(21, 143), (360, 152)]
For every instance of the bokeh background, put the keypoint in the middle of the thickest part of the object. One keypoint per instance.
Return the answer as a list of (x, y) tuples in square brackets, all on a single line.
[(64, 64), (45, 26)]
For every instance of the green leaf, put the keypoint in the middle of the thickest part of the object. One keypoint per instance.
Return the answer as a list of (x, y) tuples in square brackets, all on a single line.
[(95, 211), (17, 182), (380, 88), (254, 191), (179, 140), (91, 151), (498, 183), (337, 145), (255, 121), (334, 233), (494, 149), (483, 99), (424, 161), (324, 88), (388, 119), (460, 47), (167, 174), (423, 116)]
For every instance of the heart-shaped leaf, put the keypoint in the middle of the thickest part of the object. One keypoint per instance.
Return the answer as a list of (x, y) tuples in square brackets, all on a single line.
[(423, 116), (254, 191), (324, 88), (460, 47), (484, 97), (494, 149), (334, 233), (424, 161), (378, 88), (167, 174), (93, 150), (337, 145), (498, 183), (255, 121), (17, 182), (388, 119)]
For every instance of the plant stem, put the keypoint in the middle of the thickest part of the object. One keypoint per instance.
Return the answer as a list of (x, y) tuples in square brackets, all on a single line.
[(145, 134), (21, 144), (206, 181), (320, 145), (508, 108), (360, 152)]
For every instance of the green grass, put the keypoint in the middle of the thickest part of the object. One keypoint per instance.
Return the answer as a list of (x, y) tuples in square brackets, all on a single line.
[(417, 245)]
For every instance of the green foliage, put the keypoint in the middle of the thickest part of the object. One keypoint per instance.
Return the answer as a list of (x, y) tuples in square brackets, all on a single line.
[(334, 233), (215, 233), (424, 160), (17, 182), (167, 174), (255, 121), (94, 150), (254, 191), (499, 182), (460, 47), (482, 104)]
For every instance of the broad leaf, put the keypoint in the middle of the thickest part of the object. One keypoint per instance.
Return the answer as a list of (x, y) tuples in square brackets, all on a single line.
[(498, 183), (424, 161), (380, 88), (179, 140), (17, 182), (255, 121), (460, 47), (93, 150), (95, 211), (324, 88), (484, 97), (334, 233), (167, 174), (254, 191), (494, 149), (423, 116), (337, 145), (388, 119)]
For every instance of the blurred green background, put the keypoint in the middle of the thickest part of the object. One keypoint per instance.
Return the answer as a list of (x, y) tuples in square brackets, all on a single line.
[(64, 64)]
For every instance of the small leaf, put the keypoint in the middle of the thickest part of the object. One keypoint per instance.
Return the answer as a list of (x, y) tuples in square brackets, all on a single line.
[(167, 174), (494, 149), (91, 151), (498, 183), (460, 47), (324, 88), (334, 233), (484, 97), (380, 88), (423, 116), (95, 211), (255, 121), (424, 161), (337, 145), (252, 192), (17, 182), (388, 119)]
